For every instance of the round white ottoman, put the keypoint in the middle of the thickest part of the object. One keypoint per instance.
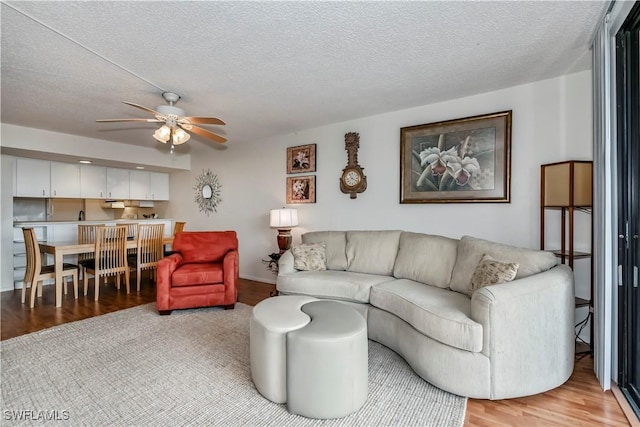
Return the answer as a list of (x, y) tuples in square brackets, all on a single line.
[(270, 322), (327, 362)]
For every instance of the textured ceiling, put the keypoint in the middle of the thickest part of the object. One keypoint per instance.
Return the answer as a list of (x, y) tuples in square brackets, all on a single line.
[(268, 68)]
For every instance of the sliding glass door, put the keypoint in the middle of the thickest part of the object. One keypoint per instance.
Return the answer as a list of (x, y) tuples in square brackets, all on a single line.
[(628, 105)]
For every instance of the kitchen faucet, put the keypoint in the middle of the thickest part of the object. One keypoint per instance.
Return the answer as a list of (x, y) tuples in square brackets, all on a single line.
[(81, 216)]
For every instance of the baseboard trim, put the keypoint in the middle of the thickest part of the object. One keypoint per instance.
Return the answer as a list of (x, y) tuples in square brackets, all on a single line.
[(624, 405), (258, 279)]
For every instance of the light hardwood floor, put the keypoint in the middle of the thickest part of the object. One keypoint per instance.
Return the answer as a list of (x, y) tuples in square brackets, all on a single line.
[(578, 402)]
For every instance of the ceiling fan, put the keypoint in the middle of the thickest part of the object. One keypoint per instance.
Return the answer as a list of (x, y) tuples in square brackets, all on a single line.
[(175, 122)]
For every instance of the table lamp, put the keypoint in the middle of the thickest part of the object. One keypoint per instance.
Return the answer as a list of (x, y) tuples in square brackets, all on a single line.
[(284, 220)]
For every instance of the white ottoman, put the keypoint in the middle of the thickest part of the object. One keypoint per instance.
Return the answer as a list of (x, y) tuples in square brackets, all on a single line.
[(270, 322), (327, 362)]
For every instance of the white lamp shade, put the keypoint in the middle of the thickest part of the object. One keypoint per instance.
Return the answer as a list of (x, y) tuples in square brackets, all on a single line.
[(283, 218), (162, 134), (180, 136)]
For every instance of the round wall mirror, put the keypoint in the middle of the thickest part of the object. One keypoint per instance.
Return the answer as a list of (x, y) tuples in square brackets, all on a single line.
[(208, 191)]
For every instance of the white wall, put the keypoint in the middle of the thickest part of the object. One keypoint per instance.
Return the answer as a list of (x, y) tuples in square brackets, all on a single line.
[(551, 122)]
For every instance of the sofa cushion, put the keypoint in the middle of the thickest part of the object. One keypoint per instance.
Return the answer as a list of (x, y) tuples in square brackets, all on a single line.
[(426, 259), (435, 312), (372, 252), (491, 271), (341, 285), (335, 247), (309, 256), (204, 273), (471, 250)]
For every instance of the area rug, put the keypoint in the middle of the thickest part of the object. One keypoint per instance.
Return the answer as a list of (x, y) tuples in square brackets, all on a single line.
[(136, 368)]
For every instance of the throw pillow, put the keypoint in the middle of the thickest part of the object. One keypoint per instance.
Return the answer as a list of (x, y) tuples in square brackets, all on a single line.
[(490, 271), (309, 256)]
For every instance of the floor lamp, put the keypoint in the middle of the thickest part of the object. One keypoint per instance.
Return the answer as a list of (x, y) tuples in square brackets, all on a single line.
[(284, 220)]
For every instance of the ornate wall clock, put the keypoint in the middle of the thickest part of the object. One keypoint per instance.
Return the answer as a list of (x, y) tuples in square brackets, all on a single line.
[(353, 180)]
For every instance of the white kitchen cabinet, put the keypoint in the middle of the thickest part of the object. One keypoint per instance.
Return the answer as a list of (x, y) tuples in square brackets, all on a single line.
[(148, 185), (117, 183), (93, 182), (33, 178), (139, 185), (65, 180), (159, 185)]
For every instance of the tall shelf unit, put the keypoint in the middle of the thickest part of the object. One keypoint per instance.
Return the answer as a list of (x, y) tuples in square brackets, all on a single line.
[(568, 187)]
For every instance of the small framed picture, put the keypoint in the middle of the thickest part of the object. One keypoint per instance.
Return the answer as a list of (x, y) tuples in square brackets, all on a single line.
[(301, 159), (301, 189)]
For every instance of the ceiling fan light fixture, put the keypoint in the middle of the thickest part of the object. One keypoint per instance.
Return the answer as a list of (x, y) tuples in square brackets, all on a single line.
[(180, 136), (162, 134), (176, 124)]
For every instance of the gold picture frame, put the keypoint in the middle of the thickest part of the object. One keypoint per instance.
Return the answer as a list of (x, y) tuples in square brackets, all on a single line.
[(301, 159), (457, 161), (301, 189)]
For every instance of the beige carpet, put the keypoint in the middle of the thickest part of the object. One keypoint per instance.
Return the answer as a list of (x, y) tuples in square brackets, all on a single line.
[(136, 368)]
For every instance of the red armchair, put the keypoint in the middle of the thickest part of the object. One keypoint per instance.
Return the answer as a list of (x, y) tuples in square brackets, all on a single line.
[(202, 271)]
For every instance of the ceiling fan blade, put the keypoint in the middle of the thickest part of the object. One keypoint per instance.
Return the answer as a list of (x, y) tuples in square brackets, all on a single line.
[(205, 133), (131, 120), (148, 110), (204, 120)]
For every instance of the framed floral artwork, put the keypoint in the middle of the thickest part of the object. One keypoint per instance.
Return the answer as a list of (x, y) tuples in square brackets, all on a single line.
[(457, 161), (301, 189), (301, 159)]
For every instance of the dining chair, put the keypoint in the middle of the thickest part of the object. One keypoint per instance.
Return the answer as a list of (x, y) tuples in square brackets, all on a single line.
[(149, 250), (36, 272), (132, 231), (86, 234), (178, 227), (110, 257)]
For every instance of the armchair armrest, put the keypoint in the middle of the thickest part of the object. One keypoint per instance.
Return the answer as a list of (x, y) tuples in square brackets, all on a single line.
[(230, 268), (166, 267), (528, 330)]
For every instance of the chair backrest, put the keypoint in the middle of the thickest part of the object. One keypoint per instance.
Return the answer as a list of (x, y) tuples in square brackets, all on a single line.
[(149, 247), (132, 232), (87, 234), (34, 260), (205, 246), (111, 250), (178, 227), (132, 228)]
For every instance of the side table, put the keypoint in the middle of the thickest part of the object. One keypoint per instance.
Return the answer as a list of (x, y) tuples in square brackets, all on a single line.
[(272, 262)]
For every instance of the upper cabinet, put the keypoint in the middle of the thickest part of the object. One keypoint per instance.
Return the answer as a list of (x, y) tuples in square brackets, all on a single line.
[(42, 178), (93, 182), (65, 180), (33, 178), (117, 183), (148, 185), (139, 185), (159, 185)]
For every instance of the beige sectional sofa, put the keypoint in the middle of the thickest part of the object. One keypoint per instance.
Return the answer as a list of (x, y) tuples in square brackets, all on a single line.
[(500, 341)]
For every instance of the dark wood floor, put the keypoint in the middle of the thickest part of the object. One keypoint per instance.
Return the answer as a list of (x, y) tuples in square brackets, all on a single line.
[(18, 319), (578, 402)]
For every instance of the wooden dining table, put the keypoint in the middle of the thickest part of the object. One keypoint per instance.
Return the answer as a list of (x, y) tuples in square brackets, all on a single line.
[(71, 247)]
